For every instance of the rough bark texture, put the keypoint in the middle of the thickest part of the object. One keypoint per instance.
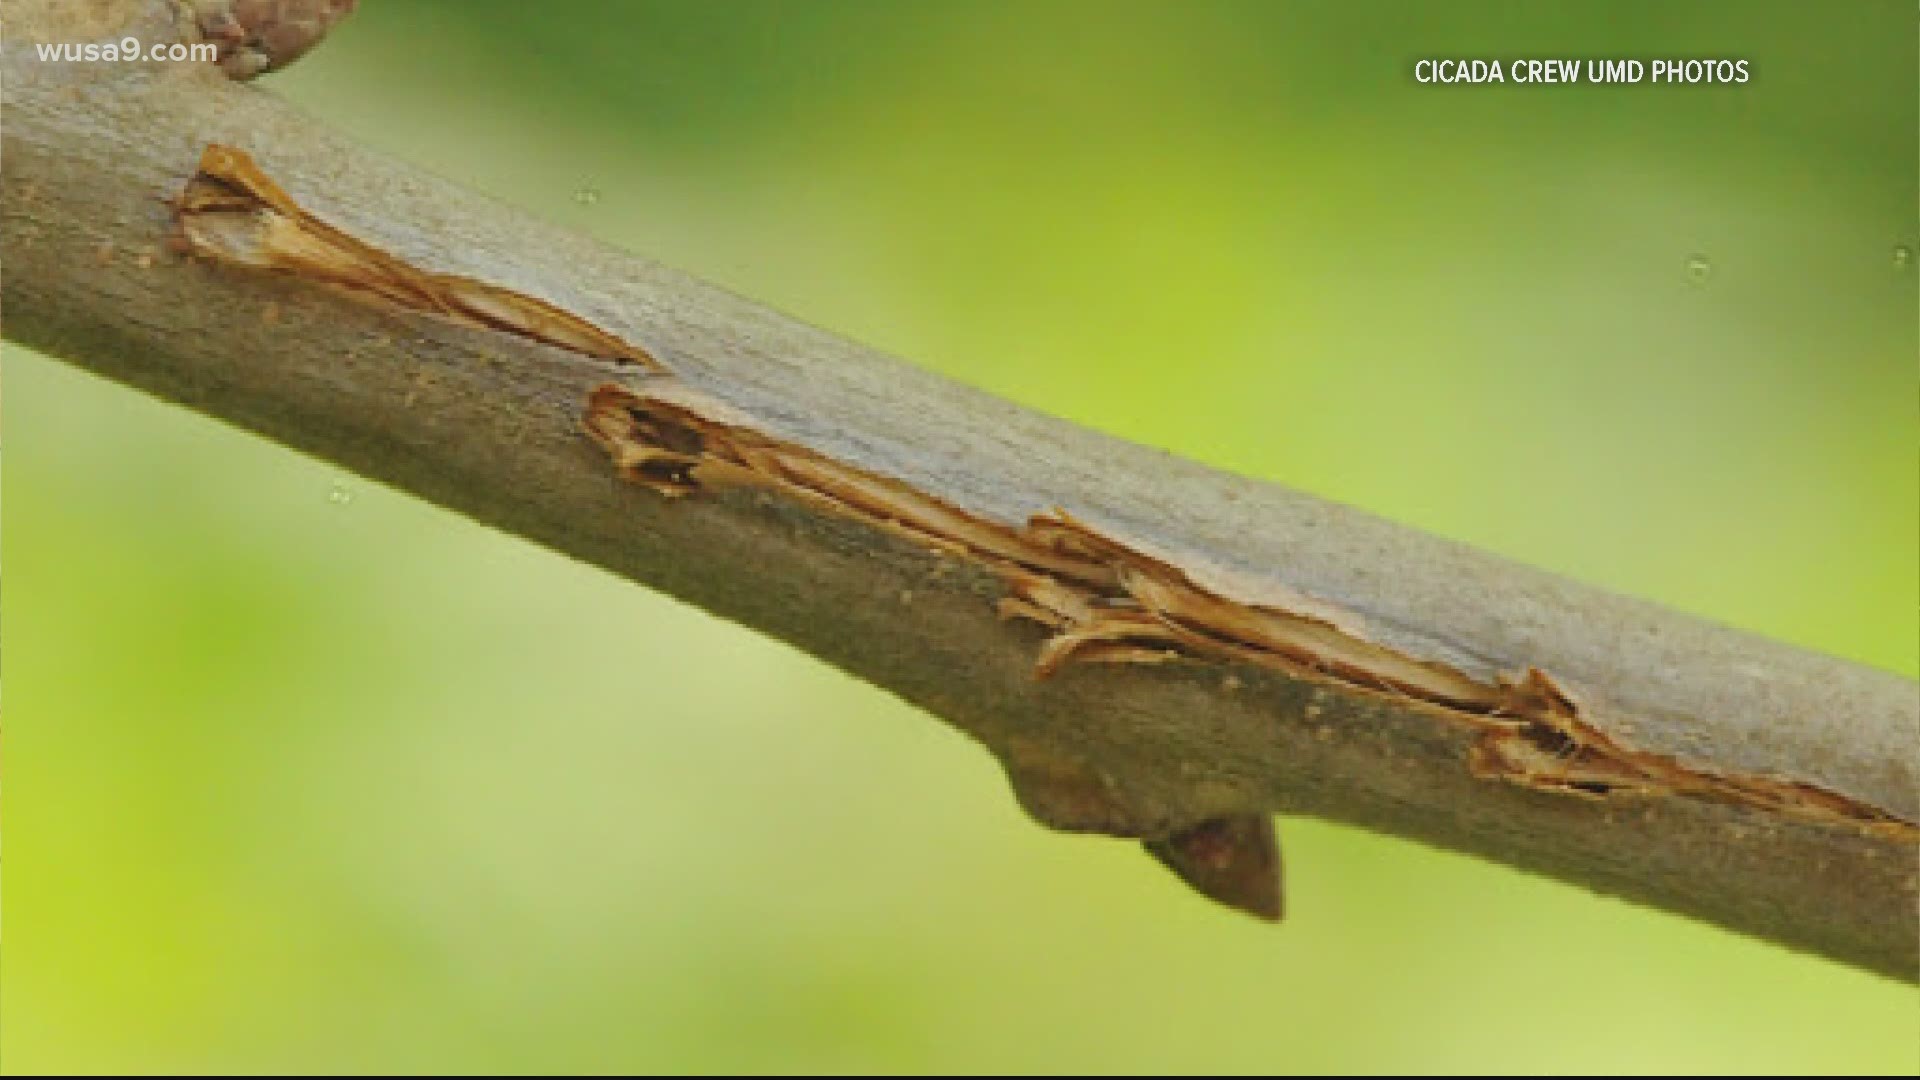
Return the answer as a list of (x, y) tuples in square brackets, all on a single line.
[(489, 424)]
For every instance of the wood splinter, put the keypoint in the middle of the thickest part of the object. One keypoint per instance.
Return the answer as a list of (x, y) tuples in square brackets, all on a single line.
[(232, 213)]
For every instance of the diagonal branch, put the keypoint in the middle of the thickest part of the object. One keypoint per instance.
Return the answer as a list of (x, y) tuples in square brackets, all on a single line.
[(1219, 649)]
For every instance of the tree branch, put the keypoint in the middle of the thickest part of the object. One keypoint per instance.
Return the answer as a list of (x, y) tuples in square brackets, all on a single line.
[(1317, 660)]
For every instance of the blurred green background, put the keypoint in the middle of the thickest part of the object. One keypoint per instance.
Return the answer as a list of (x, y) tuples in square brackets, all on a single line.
[(306, 775)]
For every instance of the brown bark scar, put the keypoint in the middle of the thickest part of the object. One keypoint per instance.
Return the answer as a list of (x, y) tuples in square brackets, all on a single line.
[(232, 213), (1103, 600)]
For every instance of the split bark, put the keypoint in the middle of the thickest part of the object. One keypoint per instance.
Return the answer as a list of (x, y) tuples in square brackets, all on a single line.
[(1317, 660)]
